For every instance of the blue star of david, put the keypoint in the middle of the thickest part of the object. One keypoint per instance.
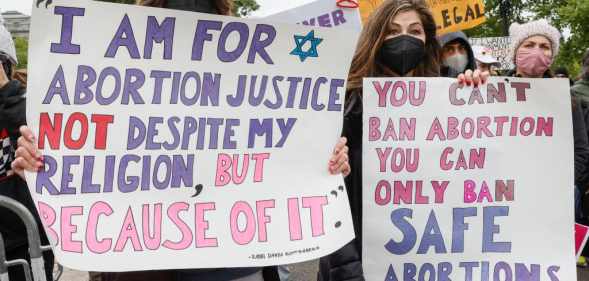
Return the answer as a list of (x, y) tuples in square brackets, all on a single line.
[(301, 41)]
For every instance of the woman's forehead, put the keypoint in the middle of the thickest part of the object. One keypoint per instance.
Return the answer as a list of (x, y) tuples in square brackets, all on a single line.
[(538, 39), (406, 18)]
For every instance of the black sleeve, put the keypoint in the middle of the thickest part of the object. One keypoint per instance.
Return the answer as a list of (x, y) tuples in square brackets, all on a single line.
[(581, 143), (13, 108), (584, 181), (346, 263)]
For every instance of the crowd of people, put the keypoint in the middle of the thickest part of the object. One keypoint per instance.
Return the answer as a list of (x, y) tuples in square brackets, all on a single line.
[(399, 40)]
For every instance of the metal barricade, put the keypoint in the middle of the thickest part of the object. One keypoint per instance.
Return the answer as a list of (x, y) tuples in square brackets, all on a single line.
[(36, 269)]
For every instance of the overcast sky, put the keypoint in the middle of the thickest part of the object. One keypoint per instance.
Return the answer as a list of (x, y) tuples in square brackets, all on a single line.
[(23, 6), (267, 7)]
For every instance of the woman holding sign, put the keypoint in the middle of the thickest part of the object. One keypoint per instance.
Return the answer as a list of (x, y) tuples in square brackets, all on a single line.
[(399, 40), (30, 158)]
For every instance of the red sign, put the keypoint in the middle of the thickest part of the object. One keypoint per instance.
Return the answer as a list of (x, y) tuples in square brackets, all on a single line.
[(581, 235)]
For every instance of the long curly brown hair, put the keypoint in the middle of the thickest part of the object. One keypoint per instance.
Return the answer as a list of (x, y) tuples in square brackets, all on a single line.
[(364, 63), (224, 7)]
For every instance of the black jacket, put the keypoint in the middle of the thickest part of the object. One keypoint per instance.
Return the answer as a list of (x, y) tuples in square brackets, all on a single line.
[(581, 144), (346, 263), (12, 116), (581, 92), (582, 181)]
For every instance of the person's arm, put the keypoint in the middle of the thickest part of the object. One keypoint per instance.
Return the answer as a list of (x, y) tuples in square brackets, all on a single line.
[(12, 108)]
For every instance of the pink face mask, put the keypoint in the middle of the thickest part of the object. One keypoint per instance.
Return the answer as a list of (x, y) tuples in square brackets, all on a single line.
[(532, 62)]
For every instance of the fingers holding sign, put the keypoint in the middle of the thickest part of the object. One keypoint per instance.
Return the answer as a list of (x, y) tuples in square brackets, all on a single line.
[(474, 78), (28, 157), (339, 162)]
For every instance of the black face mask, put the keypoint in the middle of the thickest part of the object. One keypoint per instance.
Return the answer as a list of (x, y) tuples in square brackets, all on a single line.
[(201, 6), (401, 54)]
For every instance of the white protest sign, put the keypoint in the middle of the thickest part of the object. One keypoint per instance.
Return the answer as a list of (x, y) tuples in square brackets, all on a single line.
[(499, 47), (174, 139), (470, 184), (323, 13)]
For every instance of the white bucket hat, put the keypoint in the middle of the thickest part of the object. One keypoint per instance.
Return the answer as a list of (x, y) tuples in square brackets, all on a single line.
[(483, 55)]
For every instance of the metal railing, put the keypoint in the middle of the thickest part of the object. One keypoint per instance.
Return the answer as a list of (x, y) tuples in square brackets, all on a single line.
[(36, 268)]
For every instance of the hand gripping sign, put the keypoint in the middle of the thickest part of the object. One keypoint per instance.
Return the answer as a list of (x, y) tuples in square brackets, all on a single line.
[(174, 139)]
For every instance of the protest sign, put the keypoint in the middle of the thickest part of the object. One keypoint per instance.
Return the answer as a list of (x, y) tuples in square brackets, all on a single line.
[(459, 182), (581, 236), (450, 15), (456, 15), (174, 139), (499, 47), (323, 13)]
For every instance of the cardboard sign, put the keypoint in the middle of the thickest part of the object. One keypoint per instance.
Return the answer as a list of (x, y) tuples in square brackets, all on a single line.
[(450, 15), (499, 47), (323, 13), (457, 180), (174, 139)]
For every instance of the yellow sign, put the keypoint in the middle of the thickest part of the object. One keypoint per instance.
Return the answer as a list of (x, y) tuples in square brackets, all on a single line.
[(450, 15), (367, 7)]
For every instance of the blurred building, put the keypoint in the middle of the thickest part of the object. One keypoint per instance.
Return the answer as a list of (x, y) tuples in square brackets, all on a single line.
[(17, 23)]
